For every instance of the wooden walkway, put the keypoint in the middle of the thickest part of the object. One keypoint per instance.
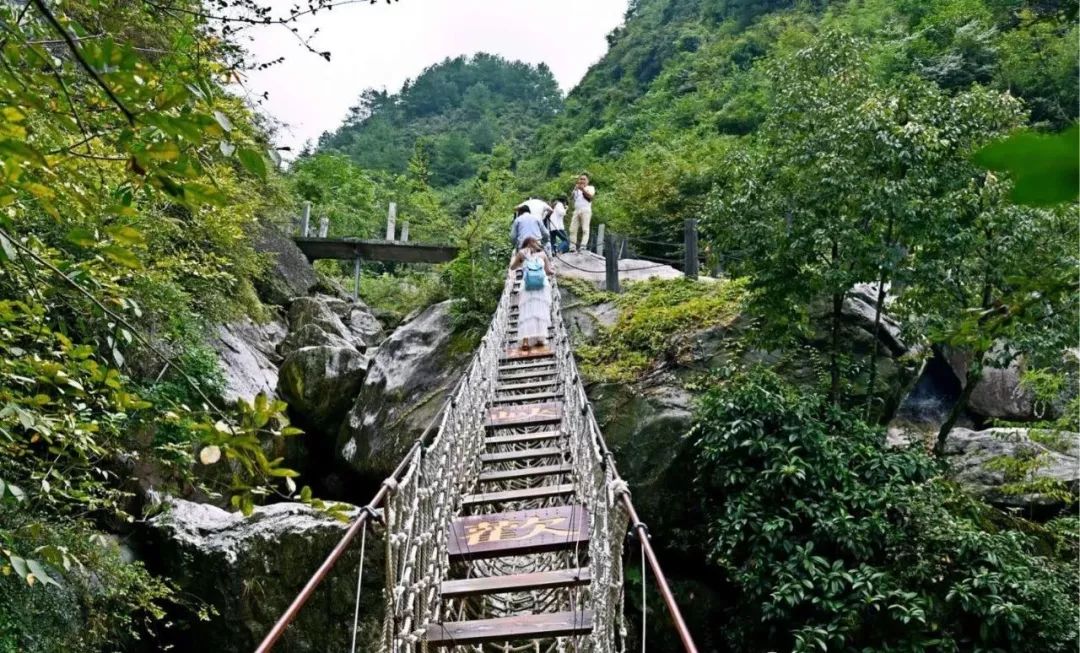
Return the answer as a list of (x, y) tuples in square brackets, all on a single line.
[(521, 507), (351, 249)]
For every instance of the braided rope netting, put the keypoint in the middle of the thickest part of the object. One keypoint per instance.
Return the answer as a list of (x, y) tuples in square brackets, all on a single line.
[(428, 495)]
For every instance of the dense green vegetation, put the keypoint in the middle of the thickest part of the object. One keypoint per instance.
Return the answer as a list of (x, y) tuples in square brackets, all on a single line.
[(834, 543), (131, 187)]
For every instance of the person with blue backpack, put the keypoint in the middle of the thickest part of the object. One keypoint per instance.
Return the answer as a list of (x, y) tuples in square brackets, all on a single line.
[(534, 299)]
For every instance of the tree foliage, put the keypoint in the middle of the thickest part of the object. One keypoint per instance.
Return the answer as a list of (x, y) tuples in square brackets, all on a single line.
[(835, 543)]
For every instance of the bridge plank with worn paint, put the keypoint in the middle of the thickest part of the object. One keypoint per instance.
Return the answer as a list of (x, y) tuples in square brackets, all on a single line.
[(518, 532)]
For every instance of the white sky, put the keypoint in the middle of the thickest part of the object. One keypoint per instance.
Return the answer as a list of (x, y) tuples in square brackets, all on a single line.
[(383, 45)]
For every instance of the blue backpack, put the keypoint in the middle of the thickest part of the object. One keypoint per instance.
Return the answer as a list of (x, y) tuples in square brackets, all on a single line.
[(534, 274)]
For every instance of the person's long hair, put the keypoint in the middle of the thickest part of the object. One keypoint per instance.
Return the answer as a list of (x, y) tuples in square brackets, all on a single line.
[(532, 244)]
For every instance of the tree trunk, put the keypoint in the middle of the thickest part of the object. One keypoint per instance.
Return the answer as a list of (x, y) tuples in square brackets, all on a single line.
[(834, 346), (878, 306), (971, 379), (834, 354)]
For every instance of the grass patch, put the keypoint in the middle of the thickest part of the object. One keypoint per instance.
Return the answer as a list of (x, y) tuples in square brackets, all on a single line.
[(653, 317), (586, 292)]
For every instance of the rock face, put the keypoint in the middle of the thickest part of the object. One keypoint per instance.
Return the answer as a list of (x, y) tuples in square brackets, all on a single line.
[(644, 425), (317, 320), (250, 569), (325, 359), (320, 382), (971, 453), (407, 382), (248, 358), (998, 394), (290, 274), (590, 267)]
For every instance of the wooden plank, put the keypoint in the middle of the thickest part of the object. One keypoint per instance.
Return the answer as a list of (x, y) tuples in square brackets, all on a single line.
[(518, 353), (524, 437), (521, 627), (528, 366), (521, 454), (524, 415), (519, 532), (506, 496), (524, 472), (347, 249), (529, 375), (536, 396), (510, 387), (540, 580)]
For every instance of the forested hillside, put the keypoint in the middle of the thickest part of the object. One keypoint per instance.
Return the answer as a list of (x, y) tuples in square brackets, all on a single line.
[(655, 119), (453, 114), (427, 147)]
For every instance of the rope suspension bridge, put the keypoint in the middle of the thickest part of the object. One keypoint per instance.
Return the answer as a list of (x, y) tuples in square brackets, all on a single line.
[(504, 525)]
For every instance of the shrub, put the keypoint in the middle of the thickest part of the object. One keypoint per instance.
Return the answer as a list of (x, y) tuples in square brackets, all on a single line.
[(836, 543)]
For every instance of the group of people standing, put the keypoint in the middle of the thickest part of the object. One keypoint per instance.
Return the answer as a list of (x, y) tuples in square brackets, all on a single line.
[(539, 229), (547, 222)]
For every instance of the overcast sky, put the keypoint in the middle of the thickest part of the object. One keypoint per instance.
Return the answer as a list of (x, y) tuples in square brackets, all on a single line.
[(383, 45)]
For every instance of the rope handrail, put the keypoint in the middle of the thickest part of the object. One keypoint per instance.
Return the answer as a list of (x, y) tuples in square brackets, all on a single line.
[(365, 512), (621, 491)]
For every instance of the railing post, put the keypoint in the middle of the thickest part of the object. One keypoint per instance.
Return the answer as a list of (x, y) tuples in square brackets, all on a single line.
[(405, 231), (690, 263), (611, 263), (599, 248), (324, 226), (356, 278), (305, 220), (391, 220)]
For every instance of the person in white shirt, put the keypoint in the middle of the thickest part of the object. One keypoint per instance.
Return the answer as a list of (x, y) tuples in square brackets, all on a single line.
[(539, 208), (560, 242), (583, 197)]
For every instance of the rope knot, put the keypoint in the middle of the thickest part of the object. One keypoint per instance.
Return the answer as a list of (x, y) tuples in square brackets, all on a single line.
[(391, 484)]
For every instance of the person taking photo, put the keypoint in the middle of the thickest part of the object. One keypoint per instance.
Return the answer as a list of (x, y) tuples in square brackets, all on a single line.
[(582, 197)]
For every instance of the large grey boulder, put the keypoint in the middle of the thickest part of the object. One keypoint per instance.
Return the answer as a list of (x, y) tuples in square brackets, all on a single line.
[(999, 393), (325, 359), (585, 318), (972, 456), (319, 383), (590, 267), (248, 358), (358, 319), (407, 381), (289, 273), (314, 318), (860, 309), (250, 568)]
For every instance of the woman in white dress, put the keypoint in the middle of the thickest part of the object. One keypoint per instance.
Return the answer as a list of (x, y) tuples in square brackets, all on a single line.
[(534, 298)]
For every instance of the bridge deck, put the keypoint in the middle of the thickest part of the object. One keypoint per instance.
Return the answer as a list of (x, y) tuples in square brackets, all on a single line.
[(348, 249)]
